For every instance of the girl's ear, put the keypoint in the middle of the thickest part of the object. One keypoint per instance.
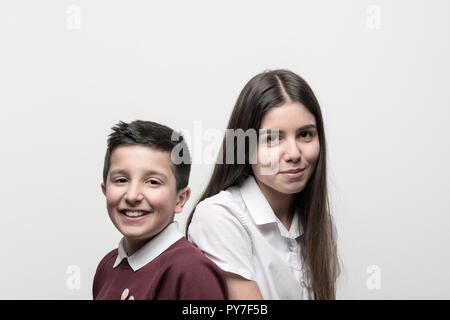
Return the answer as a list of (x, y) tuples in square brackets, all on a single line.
[(103, 189), (182, 197)]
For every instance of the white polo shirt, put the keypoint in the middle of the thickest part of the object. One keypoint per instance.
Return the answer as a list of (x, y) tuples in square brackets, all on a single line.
[(238, 230)]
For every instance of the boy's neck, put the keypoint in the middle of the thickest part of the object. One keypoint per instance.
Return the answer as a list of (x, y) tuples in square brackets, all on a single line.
[(132, 245)]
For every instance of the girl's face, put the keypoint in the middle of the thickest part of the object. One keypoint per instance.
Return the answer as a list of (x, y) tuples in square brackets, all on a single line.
[(288, 148)]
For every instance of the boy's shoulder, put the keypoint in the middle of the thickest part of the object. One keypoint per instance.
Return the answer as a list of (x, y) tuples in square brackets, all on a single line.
[(109, 258), (185, 267), (184, 255), (180, 249), (101, 274)]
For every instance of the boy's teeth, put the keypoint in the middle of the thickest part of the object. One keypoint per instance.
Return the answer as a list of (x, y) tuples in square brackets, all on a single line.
[(134, 213)]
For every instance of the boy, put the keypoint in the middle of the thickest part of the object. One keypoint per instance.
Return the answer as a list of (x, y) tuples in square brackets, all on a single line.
[(144, 189)]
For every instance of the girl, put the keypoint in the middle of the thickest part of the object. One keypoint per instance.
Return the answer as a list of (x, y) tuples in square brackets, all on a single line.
[(269, 227)]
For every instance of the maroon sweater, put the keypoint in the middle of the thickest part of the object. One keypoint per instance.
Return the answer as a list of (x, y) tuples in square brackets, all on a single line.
[(181, 272)]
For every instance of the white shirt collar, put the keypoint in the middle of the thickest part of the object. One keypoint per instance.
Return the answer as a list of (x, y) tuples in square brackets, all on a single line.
[(261, 211), (151, 249)]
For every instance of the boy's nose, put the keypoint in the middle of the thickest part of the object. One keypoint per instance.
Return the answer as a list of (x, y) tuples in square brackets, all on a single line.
[(134, 194)]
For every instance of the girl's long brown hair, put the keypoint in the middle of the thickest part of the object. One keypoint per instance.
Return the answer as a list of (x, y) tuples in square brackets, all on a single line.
[(318, 244)]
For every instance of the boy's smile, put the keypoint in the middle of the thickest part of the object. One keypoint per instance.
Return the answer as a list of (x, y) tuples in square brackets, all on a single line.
[(134, 213), (141, 193)]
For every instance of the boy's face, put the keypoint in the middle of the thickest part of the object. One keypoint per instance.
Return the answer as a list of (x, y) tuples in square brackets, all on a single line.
[(140, 191)]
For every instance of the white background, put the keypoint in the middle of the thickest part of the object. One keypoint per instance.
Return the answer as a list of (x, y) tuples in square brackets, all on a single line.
[(384, 95)]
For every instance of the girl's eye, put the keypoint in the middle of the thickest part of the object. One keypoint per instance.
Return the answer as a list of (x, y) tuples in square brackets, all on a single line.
[(306, 134), (271, 139)]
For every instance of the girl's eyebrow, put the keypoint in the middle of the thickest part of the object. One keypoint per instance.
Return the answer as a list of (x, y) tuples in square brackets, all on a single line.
[(267, 131), (306, 126)]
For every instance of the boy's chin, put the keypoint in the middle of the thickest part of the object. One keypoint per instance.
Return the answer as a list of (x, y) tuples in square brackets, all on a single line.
[(138, 238), (136, 234)]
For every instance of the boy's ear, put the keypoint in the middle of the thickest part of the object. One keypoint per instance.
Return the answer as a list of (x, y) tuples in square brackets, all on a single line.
[(182, 198), (104, 189)]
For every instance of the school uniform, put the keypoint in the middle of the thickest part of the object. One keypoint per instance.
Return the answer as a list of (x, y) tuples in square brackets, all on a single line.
[(238, 230), (168, 267)]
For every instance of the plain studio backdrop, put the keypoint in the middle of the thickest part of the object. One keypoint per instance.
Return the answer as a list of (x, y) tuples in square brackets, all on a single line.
[(70, 70)]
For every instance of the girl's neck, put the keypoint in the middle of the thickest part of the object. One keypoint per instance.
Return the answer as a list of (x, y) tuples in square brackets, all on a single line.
[(282, 204)]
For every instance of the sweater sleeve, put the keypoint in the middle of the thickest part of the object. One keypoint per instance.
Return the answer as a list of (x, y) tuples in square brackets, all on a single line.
[(191, 276), (202, 281)]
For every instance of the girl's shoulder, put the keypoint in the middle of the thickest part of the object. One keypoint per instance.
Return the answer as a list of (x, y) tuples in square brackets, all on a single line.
[(227, 203), (229, 198)]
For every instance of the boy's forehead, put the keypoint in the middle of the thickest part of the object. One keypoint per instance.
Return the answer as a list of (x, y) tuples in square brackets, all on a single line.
[(140, 157)]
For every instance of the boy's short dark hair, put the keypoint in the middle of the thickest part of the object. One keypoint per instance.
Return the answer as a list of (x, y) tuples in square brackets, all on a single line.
[(153, 135)]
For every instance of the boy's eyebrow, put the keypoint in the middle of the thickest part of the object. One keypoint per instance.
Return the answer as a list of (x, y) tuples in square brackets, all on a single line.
[(146, 173), (155, 172), (118, 171)]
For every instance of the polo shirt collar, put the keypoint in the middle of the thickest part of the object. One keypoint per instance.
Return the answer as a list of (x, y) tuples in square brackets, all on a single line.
[(151, 249), (261, 211)]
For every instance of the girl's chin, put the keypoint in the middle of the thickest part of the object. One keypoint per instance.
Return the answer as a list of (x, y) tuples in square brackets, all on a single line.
[(291, 188)]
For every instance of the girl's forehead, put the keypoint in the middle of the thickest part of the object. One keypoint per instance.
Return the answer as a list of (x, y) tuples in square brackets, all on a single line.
[(289, 115)]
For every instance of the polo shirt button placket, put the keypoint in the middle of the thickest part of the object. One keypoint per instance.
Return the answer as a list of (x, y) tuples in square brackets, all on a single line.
[(291, 245)]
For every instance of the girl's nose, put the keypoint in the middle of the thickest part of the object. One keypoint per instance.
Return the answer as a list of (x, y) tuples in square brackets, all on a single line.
[(292, 151)]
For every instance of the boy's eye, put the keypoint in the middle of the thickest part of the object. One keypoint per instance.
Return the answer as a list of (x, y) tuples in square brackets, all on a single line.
[(154, 182), (120, 180)]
